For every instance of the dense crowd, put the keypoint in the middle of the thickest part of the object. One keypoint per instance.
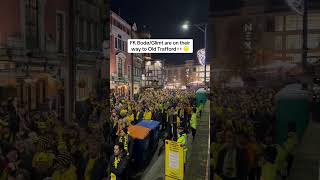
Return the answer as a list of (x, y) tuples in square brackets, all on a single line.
[(40, 145), (243, 145)]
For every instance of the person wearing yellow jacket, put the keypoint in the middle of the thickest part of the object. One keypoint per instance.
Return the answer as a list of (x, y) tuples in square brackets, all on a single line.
[(43, 159), (200, 108), (182, 139), (214, 151), (289, 147), (269, 166), (129, 118), (147, 115), (64, 169), (194, 123), (123, 112)]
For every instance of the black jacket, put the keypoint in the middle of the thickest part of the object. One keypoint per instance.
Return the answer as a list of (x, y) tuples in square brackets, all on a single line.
[(241, 163), (121, 170)]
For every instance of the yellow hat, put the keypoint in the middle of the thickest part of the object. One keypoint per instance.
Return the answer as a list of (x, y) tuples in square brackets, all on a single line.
[(42, 159), (42, 125), (62, 146), (3, 123)]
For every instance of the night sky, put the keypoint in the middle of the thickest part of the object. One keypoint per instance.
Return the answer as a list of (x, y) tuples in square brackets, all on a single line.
[(164, 19)]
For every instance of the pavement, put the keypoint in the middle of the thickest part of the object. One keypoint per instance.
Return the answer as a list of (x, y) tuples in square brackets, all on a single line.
[(197, 153), (156, 168), (198, 166), (306, 165)]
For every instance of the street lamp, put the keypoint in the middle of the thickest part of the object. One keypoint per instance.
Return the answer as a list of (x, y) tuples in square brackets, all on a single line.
[(133, 28), (185, 26), (203, 28)]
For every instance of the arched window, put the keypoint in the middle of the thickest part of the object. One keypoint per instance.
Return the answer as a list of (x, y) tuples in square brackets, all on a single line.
[(121, 58)]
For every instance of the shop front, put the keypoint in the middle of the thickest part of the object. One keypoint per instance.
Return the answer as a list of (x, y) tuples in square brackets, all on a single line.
[(119, 89)]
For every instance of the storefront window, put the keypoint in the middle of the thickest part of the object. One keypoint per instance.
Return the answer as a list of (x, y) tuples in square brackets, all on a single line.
[(279, 23), (293, 22), (314, 20), (278, 43), (314, 41), (294, 42)]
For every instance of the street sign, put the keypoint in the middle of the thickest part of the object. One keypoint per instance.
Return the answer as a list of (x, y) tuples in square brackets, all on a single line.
[(174, 161), (296, 5)]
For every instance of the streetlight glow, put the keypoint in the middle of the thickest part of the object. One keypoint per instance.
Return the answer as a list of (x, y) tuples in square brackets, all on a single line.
[(185, 27)]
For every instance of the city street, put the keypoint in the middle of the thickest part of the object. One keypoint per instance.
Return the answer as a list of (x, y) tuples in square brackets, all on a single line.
[(159, 90)]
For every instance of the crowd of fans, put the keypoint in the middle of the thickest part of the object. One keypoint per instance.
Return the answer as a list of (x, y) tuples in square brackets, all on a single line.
[(40, 145), (243, 146)]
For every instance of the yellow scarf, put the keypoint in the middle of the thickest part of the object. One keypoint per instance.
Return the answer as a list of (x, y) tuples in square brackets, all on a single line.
[(130, 118), (89, 169), (125, 142), (115, 164)]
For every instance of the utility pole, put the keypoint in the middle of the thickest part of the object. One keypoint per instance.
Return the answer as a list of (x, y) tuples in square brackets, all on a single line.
[(205, 54)]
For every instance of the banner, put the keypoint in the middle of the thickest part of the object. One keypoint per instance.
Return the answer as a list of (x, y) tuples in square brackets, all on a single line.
[(201, 54), (174, 161)]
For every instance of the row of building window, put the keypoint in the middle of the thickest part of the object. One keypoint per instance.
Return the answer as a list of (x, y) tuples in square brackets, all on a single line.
[(295, 42), (153, 83), (194, 69), (296, 57), (116, 23), (136, 72), (88, 34), (294, 22), (87, 37), (119, 43)]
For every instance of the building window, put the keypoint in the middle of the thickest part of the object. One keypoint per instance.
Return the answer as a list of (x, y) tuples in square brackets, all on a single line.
[(278, 43), (293, 22), (295, 57), (314, 41), (32, 24), (96, 36), (81, 34), (279, 20), (89, 35), (85, 30), (314, 21), (119, 43), (120, 68), (60, 32), (294, 42)]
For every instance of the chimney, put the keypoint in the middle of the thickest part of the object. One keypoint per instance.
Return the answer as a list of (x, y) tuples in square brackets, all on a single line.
[(119, 12)]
